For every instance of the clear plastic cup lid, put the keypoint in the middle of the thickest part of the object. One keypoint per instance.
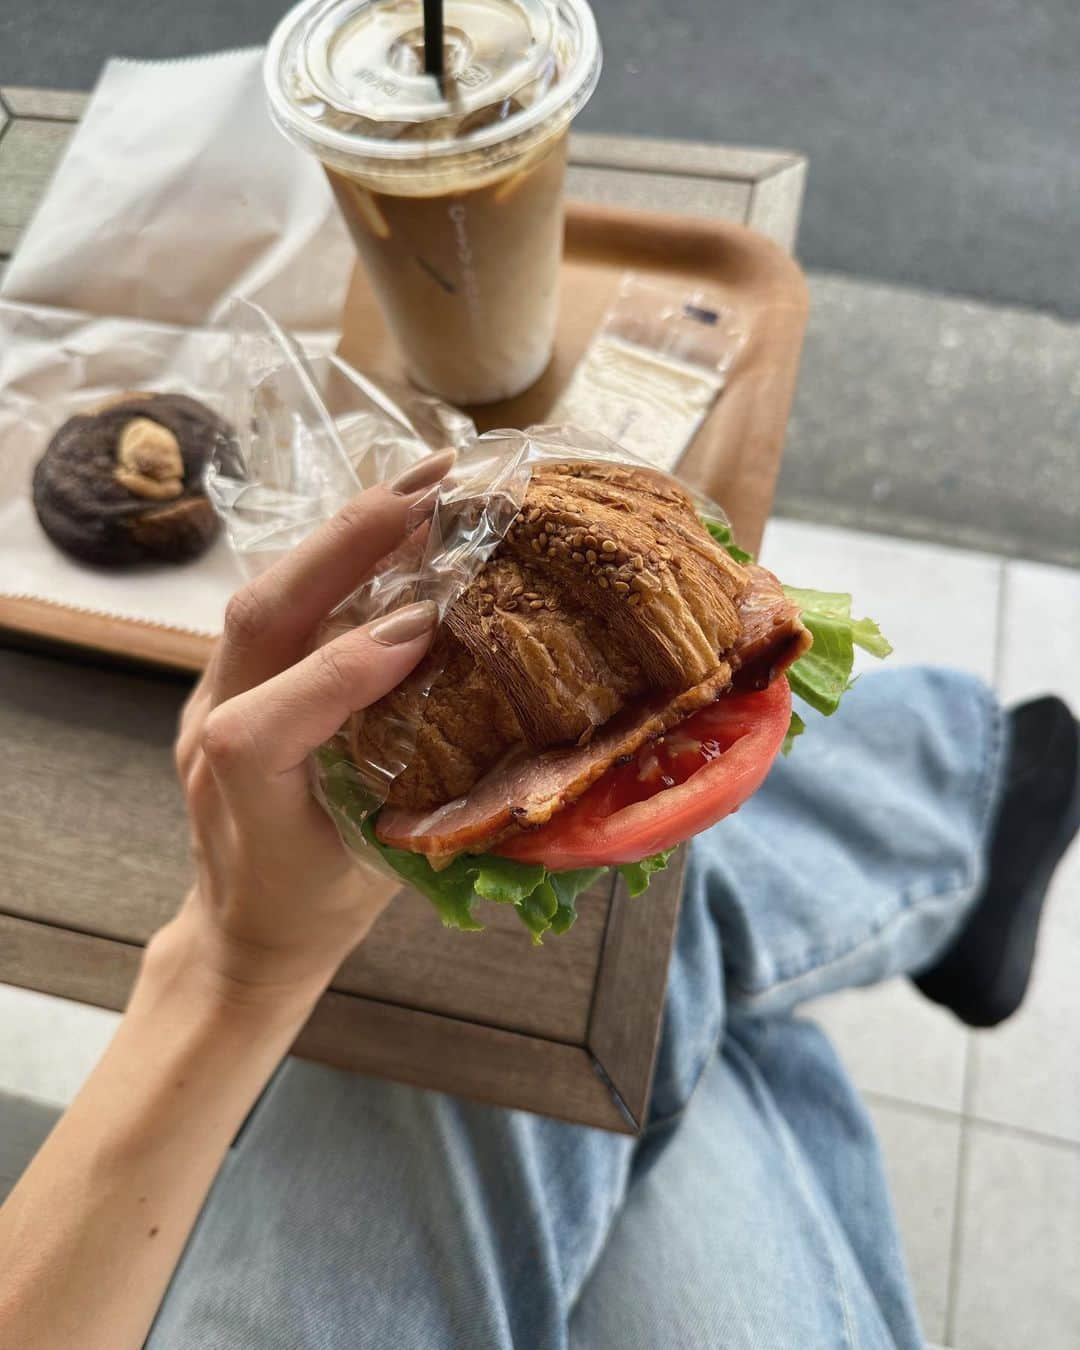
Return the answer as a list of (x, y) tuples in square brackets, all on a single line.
[(346, 79)]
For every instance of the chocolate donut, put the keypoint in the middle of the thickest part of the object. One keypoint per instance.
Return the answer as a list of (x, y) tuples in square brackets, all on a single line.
[(123, 483)]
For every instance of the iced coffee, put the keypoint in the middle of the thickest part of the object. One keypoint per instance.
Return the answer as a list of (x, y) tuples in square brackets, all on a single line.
[(452, 189)]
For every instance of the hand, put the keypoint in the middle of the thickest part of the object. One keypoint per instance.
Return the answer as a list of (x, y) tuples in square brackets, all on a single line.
[(278, 903)]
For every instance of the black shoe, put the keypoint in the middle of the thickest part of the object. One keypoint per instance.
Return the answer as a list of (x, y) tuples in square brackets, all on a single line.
[(984, 974)]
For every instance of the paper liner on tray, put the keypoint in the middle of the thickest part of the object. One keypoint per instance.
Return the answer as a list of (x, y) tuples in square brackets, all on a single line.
[(175, 195)]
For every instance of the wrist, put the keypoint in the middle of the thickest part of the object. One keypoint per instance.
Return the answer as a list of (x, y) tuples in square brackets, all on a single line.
[(186, 958)]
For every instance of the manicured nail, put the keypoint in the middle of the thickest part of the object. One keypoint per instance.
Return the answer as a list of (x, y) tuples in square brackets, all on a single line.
[(426, 474), (412, 621)]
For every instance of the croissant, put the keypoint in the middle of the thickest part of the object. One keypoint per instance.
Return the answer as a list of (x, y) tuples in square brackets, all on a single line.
[(607, 614)]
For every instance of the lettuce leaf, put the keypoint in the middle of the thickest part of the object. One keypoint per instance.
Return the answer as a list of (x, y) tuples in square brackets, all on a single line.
[(536, 911), (638, 875), (506, 882), (544, 901), (567, 887), (451, 891), (796, 727), (866, 634), (723, 536), (822, 676)]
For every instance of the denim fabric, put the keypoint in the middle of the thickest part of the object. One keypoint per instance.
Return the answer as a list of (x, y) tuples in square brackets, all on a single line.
[(732, 1238), (754, 1212)]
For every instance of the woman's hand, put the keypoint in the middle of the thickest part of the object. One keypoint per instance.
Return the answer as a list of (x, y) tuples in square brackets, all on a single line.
[(91, 1233), (277, 902)]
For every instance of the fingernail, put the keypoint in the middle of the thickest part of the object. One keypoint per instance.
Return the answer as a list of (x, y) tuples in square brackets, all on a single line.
[(412, 621), (423, 475)]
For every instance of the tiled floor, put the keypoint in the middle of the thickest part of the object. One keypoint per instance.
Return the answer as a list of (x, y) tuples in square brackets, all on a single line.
[(981, 1132)]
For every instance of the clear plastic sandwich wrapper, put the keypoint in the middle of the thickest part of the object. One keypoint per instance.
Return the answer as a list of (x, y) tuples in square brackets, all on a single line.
[(311, 435)]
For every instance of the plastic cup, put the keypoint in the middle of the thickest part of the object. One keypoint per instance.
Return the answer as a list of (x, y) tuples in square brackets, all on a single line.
[(452, 192)]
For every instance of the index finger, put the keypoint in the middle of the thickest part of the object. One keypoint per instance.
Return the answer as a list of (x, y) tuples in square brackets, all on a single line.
[(258, 742), (269, 622)]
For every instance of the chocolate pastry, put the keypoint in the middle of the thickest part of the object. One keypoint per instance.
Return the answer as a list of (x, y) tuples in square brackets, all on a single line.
[(123, 483)]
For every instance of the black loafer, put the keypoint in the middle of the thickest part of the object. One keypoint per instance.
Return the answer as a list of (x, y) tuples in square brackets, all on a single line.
[(983, 975)]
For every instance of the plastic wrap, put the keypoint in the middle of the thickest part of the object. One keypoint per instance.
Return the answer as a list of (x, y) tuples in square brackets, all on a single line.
[(312, 432), (475, 508), (657, 364), (311, 435)]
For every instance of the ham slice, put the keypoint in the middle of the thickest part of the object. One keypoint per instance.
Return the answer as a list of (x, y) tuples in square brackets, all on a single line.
[(526, 789), (773, 634)]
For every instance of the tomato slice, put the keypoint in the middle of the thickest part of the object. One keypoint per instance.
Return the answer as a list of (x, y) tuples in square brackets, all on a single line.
[(676, 786)]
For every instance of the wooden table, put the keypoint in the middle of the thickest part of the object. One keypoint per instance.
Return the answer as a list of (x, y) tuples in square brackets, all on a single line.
[(760, 188), (93, 851)]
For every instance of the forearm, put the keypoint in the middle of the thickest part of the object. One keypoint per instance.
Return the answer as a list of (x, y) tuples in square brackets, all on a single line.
[(92, 1232)]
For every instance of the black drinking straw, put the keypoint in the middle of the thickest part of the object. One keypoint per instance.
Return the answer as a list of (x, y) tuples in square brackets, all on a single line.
[(433, 39)]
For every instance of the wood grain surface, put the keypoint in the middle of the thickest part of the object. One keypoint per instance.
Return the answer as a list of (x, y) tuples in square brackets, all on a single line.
[(156, 644), (95, 839), (93, 855), (423, 1049), (631, 982), (496, 976)]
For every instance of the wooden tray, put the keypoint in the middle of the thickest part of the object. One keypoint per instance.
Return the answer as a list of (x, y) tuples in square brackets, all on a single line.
[(566, 1030), (569, 1029), (735, 457)]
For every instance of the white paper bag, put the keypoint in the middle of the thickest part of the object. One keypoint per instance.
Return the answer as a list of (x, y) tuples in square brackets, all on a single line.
[(176, 194)]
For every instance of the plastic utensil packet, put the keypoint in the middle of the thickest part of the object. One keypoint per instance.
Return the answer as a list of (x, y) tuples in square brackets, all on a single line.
[(654, 368), (311, 435)]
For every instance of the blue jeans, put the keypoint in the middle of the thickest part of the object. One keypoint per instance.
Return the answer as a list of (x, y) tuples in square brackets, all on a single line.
[(752, 1213)]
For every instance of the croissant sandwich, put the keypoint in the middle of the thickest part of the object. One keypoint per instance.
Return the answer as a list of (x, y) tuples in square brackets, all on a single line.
[(611, 683)]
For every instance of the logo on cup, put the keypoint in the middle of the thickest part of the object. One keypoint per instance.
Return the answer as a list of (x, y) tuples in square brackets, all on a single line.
[(385, 87), (473, 76), (463, 247)]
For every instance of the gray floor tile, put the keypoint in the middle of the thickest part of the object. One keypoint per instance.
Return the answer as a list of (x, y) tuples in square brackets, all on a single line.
[(1025, 1072), (48, 1045), (1040, 636), (1018, 1279), (894, 1042), (921, 1156), (935, 604)]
